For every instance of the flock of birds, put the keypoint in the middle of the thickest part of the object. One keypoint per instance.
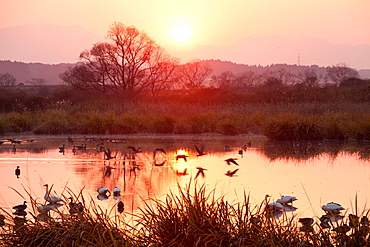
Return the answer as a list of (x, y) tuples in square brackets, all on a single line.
[(285, 203)]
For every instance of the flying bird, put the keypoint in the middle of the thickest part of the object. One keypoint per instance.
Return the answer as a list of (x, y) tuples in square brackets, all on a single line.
[(135, 150), (200, 171), (108, 154), (200, 151), (231, 173), (230, 161), (49, 198)]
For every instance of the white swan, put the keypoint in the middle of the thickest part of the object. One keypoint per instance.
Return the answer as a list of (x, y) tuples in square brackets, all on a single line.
[(332, 207), (49, 198), (286, 199), (273, 206)]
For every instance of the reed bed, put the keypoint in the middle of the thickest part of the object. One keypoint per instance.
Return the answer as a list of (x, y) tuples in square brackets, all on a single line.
[(307, 121), (193, 216)]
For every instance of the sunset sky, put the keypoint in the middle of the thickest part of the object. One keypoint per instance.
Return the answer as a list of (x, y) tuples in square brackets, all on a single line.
[(217, 22)]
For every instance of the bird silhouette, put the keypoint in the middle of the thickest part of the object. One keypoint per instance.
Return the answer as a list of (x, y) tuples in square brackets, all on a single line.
[(230, 161), (200, 172), (17, 172), (62, 149), (20, 208), (159, 157), (120, 207), (200, 151), (108, 154), (159, 150), (231, 173), (75, 208), (49, 198), (14, 149), (306, 221), (135, 150), (181, 156)]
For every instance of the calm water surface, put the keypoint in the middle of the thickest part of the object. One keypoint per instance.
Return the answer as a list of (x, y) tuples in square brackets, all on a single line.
[(314, 172)]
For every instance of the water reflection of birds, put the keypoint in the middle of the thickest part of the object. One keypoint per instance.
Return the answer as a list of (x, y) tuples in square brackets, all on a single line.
[(49, 198), (183, 173), (62, 149), (104, 193), (17, 172), (135, 150), (200, 150), (231, 173), (14, 149), (200, 172), (159, 157), (181, 156), (120, 207), (230, 161), (46, 208)]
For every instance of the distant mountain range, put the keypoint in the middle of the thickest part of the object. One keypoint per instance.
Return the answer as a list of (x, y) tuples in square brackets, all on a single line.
[(51, 44), (50, 72)]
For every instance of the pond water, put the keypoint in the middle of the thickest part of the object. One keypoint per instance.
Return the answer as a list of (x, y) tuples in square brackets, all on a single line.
[(315, 173)]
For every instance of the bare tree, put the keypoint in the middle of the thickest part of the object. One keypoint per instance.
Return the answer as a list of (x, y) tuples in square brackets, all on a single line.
[(340, 72), (7, 80), (130, 62), (225, 80), (309, 77), (192, 75), (36, 81)]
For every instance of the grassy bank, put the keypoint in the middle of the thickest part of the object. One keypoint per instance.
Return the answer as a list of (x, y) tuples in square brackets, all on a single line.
[(190, 217), (277, 121)]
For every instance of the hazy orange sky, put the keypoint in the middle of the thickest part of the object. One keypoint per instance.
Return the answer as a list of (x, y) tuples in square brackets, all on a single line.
[(217, 22)]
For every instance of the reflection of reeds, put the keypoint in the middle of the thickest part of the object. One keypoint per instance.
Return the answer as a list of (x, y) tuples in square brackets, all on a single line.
[(191, 217), (280, 121)]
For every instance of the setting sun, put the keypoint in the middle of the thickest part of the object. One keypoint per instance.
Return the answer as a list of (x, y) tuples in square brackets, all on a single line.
[(181, 31)]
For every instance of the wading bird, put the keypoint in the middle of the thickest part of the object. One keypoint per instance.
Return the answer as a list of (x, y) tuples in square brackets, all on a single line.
[(62, 149), (135, 150), (103, 190), (306, 221), (49, 198)]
